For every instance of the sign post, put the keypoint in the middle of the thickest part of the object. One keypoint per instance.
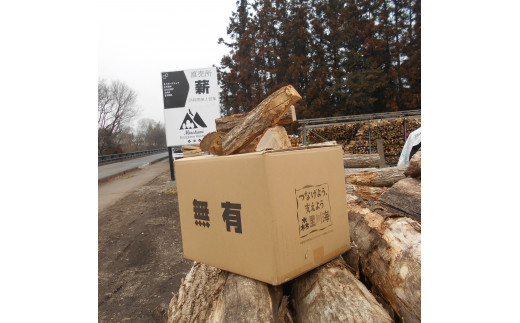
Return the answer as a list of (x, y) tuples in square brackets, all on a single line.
[(191, 105)]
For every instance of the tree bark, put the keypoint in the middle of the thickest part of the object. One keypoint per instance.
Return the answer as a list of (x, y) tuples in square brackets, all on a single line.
[(225, 124), (404, 197), (265, 115), (331, 293), (375, 176), (208, 294), (361, 160), (389, 249), (365, 192)]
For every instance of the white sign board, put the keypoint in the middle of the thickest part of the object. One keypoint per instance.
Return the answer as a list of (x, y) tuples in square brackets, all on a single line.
[(191, 105)]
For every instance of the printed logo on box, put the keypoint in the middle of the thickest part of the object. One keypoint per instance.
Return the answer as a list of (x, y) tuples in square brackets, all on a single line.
[(313, 208)]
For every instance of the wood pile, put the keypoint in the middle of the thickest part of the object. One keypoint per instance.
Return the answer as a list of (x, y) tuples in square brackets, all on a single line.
[(360, 137), (385, 228), (378, 280), (191, 151)]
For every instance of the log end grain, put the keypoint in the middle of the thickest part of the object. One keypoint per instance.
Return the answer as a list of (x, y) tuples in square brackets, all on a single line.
[(212, 142)]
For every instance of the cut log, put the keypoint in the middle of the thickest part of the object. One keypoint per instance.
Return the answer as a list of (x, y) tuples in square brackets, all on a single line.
[(404, 197), (389, 249), (208, 294), (289, 116), (414, 168), (375, 176), (265, 115), (331, 293), (225, 124), (212, 142), (365, 192), (361, 160)]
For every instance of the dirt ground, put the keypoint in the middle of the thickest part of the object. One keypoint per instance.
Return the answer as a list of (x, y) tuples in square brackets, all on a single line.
[(140, 262)]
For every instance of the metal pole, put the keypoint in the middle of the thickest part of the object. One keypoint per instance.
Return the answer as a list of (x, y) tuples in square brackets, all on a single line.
[(304, 135), (404, 125), (170, 156), (369, 138)]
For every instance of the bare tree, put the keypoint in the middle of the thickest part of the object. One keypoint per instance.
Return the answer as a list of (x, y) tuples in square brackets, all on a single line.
[(151, 134), (117, 106)]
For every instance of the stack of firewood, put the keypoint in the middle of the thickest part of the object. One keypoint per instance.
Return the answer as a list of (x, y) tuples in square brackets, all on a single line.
[(360, 137), (260, 129), (378, 280), (342, 133)]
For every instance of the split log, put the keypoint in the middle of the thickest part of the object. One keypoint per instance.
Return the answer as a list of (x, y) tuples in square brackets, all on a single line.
[(331, 293), (273, 138), (389, 250), (265, 115), (208, 294), (361, 160), (225, 124), (375, 176), (404, 197), (414, 168)]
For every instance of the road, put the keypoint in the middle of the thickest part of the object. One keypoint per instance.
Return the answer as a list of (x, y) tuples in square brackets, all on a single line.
[(114, 190), (140, 258), (118, 167)]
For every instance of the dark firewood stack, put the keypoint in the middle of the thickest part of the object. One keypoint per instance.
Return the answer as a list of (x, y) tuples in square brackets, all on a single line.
[(355, 137), (378, 280), (342, 134)]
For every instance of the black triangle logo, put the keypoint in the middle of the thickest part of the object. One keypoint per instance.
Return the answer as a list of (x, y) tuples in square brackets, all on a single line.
[(199, 120), (188, 123)]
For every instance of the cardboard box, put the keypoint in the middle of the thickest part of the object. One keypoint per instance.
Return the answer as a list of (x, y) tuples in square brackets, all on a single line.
[(267, 215)]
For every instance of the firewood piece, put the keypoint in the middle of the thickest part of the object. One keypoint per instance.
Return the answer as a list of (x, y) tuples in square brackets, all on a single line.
[(361, 160), (288, 117), (265, 115), (331, 293), (404, 197), (273, 138), (208, 294), (414, 167), (225, 124), (212, 142), (374, 176), (390, 257)]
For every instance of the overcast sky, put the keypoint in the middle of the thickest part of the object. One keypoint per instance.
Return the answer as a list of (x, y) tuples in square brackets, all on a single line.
[(139, 39)]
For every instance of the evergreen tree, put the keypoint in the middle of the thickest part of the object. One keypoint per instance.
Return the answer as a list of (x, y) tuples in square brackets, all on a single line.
[(343, 57)]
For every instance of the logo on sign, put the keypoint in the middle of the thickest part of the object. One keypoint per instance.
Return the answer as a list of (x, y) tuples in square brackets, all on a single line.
[(192, 121)]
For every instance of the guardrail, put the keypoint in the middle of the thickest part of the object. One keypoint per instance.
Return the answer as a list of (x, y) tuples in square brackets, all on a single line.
[(108, 158)]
